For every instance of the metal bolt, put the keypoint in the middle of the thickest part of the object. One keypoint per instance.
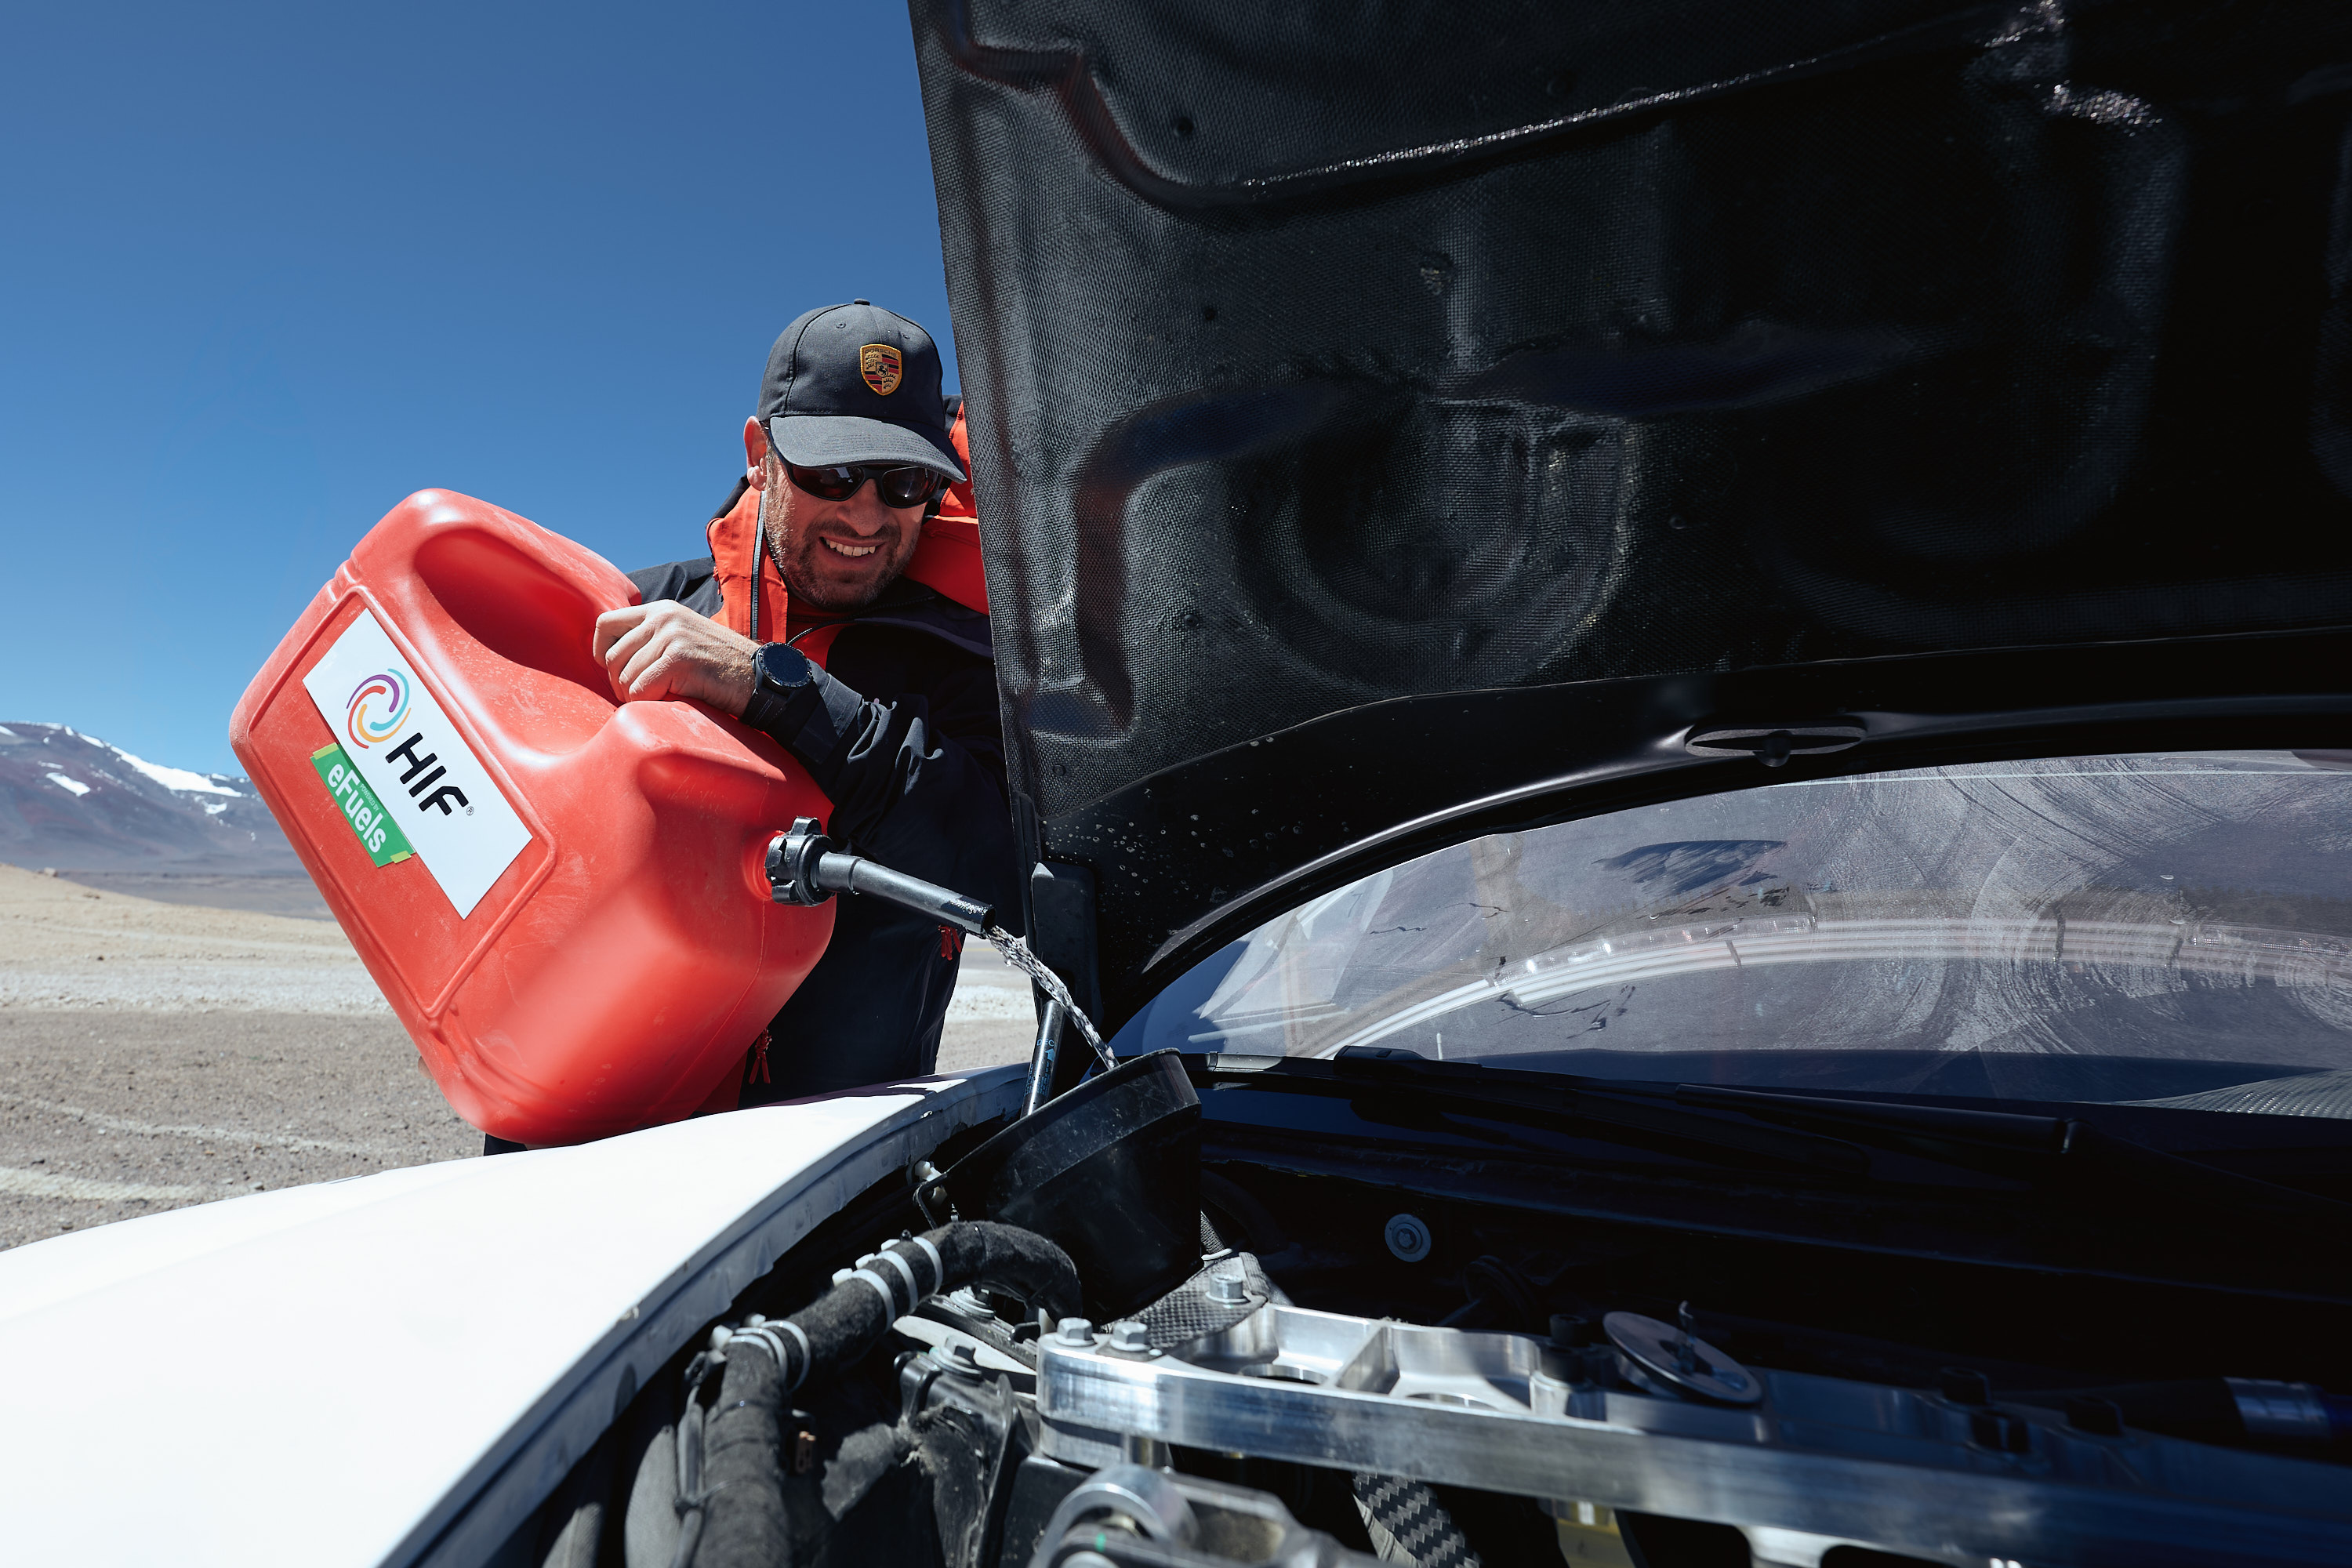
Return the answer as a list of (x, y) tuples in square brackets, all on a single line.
[(963, 1358), (1075, 1332), (1131, 1337), (1407, 1237), (1228, 1289), (1569, 1332)]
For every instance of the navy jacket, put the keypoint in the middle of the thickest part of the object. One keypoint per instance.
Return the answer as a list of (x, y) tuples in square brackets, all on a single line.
[(909, 747)]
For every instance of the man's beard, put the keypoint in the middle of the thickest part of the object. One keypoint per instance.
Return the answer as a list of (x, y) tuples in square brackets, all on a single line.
[(791, 549)]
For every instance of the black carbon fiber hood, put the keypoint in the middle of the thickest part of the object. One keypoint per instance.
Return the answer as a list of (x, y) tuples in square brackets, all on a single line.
[(1481, 397)]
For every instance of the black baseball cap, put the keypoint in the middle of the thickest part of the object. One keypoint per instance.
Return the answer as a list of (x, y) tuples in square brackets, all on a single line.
[(856, 384)]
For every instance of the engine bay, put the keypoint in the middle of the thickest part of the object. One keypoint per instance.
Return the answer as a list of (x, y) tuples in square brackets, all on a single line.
[(1436, 1349)]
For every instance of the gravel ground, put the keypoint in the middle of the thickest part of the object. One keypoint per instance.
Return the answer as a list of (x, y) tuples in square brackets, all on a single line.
[(265, 895), (104, 1115), (156, 1054)]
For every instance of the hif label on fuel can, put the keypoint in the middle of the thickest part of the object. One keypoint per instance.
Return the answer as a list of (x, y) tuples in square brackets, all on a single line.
[(428, 783)]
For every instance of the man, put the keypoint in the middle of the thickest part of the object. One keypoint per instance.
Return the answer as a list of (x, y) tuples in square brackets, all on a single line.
[(802, 623)]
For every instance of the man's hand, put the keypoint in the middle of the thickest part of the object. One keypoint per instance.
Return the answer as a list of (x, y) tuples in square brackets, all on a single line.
[(664, 649)]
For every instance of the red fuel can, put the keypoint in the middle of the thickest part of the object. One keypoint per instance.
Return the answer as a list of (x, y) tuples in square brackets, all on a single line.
[(563, 896)]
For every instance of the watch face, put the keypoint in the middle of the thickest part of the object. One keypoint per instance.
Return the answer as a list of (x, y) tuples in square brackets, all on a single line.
[(782, 666)]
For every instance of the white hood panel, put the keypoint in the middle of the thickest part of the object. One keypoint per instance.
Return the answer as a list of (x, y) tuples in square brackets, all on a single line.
[(334, 1374)]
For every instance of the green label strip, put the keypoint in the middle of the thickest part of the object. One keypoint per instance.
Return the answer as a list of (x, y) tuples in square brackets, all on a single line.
[(377, 833)]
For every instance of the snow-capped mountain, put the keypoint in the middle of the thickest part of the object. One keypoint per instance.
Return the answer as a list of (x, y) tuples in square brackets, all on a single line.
[(71, 800)]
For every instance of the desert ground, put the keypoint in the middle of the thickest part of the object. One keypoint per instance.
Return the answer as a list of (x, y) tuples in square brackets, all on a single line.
[(155, 1054)]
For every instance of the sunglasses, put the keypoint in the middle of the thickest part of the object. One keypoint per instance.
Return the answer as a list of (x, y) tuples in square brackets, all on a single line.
[(912, 485)]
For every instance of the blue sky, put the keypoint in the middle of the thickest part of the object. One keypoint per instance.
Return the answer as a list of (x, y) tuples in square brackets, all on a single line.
[(269, 268)]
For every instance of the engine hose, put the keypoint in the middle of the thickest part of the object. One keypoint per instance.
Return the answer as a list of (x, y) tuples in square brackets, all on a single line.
[(744, 1524), (1407, 1524), (744, 1521)]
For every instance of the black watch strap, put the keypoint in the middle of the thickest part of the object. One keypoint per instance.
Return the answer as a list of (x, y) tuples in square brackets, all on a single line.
[(779, 673)]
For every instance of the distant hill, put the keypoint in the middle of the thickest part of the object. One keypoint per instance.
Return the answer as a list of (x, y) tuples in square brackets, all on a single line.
[(71, 801)]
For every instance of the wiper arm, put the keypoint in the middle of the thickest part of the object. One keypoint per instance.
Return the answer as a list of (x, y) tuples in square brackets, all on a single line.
[(2005, 1144)]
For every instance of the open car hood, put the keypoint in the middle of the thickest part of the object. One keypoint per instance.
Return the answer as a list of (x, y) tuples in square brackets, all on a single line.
[(1391, 425)]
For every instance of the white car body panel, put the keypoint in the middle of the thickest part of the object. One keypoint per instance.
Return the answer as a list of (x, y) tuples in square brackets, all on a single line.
[(396, 1368)]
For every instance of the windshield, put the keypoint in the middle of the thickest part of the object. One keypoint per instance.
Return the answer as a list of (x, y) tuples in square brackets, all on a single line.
[(2169, 928)]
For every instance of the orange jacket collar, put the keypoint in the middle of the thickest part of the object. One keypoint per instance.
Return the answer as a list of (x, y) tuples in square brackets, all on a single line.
[(734, 546)]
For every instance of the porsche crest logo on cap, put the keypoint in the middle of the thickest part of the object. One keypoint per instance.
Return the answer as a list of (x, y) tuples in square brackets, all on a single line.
[(879, 363)]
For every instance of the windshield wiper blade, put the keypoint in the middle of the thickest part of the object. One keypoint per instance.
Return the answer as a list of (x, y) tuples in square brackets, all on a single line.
[(2002, 1143)]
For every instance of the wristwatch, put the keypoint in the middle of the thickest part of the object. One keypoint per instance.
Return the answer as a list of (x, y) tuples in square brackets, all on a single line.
[(779, 673)]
